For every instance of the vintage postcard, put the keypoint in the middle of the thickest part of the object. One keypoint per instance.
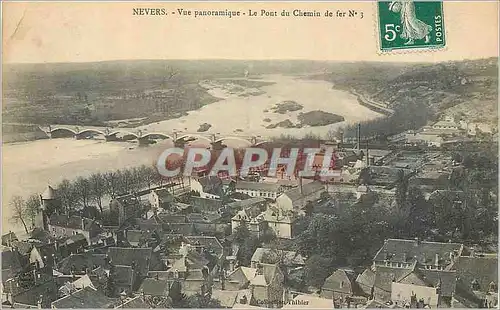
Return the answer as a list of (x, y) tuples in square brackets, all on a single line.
[(250, 155)]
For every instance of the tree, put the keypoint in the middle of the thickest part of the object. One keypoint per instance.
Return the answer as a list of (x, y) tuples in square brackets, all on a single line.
[(316, 270), (97, 189), (111, 180), (32, 208), (201, 301), (67, 195), (82, 191), (401, 189), (247, 243), (19, 211)]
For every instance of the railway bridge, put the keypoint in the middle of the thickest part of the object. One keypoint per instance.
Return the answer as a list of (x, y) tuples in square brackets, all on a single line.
[(144, 137)]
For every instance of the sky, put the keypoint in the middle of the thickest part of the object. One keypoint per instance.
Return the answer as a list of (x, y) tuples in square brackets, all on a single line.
[(38, 32)]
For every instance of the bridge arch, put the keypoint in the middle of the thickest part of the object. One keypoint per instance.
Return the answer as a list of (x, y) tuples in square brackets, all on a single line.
[(234, 138), (159, 134), (62, 129), (261, 143), (92, 131), (194, 136), (124, 132)]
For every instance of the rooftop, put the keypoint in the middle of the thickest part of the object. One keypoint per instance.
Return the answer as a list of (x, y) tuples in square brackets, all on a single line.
[(258, 186), (84, 298), (399, 250), (307, 189)]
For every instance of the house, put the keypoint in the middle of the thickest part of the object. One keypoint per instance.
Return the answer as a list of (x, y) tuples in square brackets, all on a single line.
[(412, 262), (383, 175), (236, 280), (250, 217), (267, 286), (71, 245), (9, 238), (208, 187), (289, 259), (151, 224), (84, 298), (478, 279), (160, 199), (68, 226), (190, 269), (412, 294), (134, 238), (32, 289), (245, 203), (81, 263), (140, 258), (382, 285), (433, 178), (400, 253), (297, 198), (126, 278), (345, 157), (279, 221), (340, 284), (207, 223), (43, 257), (125, 207), (152, 287), (228, 299), (136, 302), (205, 243), (206, 205), (259, 189), (78, 284)]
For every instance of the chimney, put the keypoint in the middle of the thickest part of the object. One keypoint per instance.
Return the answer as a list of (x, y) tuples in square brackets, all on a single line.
[(358, 136), (83, 223), (223, 279), (417, 241), (9, 242), (436, 260), (404, 257), (367, 155)]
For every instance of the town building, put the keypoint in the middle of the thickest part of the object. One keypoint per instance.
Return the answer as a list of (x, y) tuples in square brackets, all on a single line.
[(125, 207), (70, 226), (296, 199), (259, 189), (208, 187), (267, 286), (160, 199), (340, 284)]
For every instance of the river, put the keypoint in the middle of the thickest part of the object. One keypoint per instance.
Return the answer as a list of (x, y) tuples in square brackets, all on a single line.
[(29, 167)]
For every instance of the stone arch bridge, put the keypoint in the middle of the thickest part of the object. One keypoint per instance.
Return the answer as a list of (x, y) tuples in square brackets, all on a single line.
[(144, 137)]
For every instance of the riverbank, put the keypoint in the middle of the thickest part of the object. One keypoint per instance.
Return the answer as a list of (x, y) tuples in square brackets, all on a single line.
[(370, 104)]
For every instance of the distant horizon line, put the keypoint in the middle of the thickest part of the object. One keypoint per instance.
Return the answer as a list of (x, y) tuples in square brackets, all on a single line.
[(245, 60)]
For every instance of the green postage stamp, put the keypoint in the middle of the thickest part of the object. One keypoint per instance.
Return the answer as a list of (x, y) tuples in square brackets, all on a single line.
[(411, 24)]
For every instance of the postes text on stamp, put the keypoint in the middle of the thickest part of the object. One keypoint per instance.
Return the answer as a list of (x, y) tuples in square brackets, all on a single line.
[(411, 24)]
